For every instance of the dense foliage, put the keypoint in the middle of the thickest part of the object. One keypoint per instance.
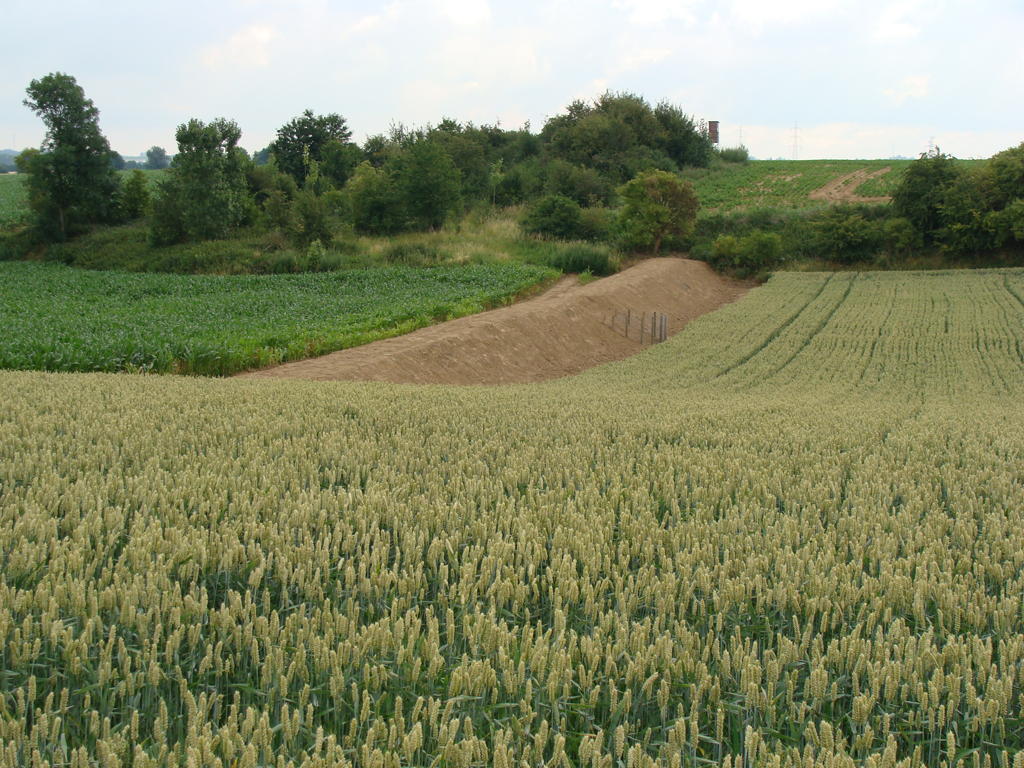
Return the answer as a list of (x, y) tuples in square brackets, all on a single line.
[(791, 536), (204, 197), (59, 319), (71, 180)]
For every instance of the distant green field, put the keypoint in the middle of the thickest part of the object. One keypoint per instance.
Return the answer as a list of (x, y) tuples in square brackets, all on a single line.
[(774, 183), (13, 203), (56, 318)]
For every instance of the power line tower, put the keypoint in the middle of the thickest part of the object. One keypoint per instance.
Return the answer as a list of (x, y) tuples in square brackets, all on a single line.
[(796, 141), (931, 146), (741, 135)]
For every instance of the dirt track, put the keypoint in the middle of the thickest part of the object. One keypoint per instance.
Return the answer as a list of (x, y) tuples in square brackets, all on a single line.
[(558, 333), (843, 189)]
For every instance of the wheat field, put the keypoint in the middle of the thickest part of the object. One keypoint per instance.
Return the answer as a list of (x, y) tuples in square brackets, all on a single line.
[(791, 536)]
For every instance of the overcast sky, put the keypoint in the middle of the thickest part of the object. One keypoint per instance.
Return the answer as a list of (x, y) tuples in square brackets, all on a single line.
[(859, 78)]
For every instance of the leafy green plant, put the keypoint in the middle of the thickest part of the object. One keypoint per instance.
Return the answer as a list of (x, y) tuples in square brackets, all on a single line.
[(657, 204), (63, 319), (578, 258), (554, 216)]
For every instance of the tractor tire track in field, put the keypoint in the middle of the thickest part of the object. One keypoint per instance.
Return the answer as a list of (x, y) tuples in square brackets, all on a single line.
[(775, 333), (820, 327)]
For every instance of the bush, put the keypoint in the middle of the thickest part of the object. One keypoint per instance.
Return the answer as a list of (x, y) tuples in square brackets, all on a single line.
[(135, 196), (555, 216), (577, 259), (375, 204), (1015, 218), (901, 238), (921, 191), (845, 236), (734, 154), (415, 254), (758, 250), (312, 218)]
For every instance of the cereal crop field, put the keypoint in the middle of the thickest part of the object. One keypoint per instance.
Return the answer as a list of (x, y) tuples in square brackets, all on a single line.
[(793, 535)]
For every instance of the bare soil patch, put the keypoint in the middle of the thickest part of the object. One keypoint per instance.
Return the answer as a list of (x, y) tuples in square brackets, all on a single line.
[(557, 333), (843, 189)]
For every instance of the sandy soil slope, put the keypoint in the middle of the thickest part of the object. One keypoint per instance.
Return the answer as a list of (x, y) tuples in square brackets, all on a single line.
[(560, 332)]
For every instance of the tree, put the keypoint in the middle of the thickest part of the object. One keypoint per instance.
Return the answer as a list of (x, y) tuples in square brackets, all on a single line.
[(375, 204), (657, 204), (304, 139), (429, 181), (338, 160), (920, 194), (205, 195), (156, 159), (72, 180)]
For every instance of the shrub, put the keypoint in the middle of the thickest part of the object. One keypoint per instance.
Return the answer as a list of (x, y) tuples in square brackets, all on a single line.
[(554, 216), (734, 154), (900, 236), (135, 197), (1015, 218), (579, 258), (415, 254), (921, 191), (843, 236), (375, 204), (757, 250)]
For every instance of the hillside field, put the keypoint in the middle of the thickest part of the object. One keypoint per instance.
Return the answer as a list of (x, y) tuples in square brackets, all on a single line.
[(792, 535)]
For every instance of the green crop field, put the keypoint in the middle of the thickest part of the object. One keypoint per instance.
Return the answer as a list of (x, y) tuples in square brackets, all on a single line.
[(62, 319), (793, 535), (771, 183), (13, 202)]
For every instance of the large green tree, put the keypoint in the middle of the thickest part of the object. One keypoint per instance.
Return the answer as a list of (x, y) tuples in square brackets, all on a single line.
[(657, 204), (921, 192), (304, 139), (429, 182), (72, 180), (156, 159), (205, 195)]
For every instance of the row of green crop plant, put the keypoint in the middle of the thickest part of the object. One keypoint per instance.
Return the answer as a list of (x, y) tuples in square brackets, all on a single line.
[(60, 319)]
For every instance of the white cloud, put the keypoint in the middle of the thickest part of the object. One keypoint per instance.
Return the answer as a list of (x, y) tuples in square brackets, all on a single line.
[(367, 23), (638, 59), (466, 13), (648, 12), (250, 47), (757, 14), (893, 27), (500, 60), (915, 86)]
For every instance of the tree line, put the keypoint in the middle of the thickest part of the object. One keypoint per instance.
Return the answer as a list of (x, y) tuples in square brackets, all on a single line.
[(313, 177)]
